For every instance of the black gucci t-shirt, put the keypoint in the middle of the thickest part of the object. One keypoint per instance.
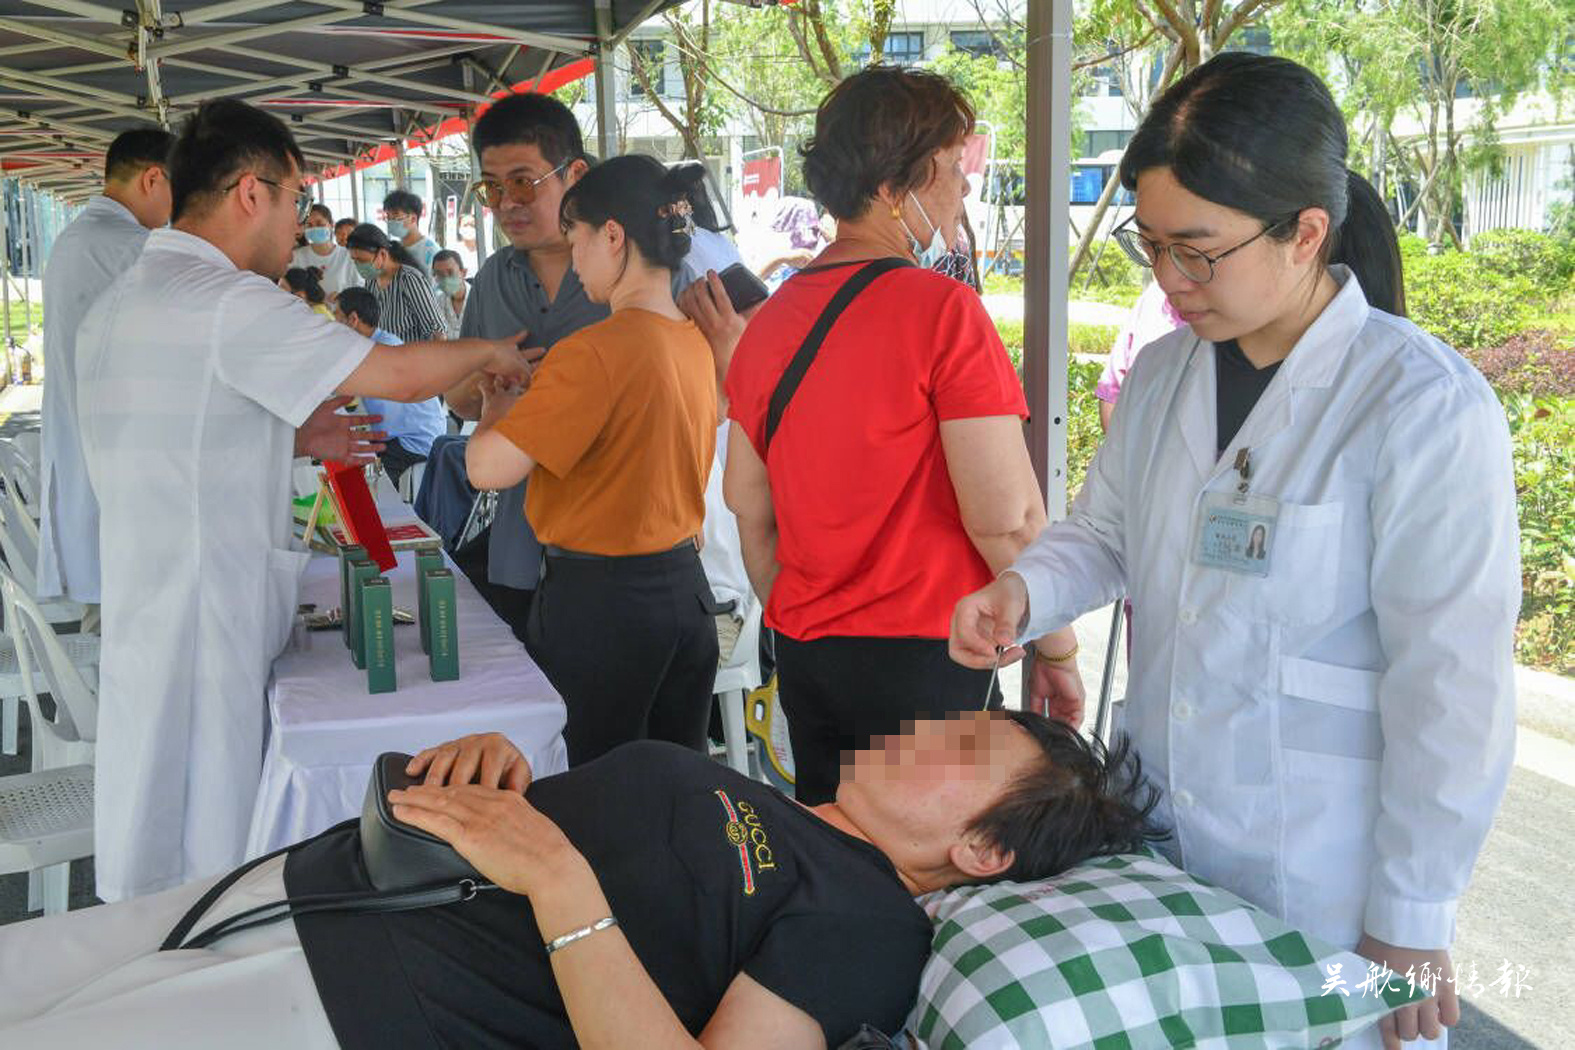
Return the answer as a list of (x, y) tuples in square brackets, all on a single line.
[(709, 873)]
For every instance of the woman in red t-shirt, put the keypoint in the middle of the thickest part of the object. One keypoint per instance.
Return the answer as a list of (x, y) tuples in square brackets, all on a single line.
[(898, 480)]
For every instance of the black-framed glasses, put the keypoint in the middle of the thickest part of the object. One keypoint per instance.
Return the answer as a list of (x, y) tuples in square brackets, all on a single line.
[(1195, 265), (522, 188), (303, 200)]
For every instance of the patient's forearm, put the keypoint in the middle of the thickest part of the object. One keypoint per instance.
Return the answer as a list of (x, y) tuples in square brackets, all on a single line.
[(610, 998)]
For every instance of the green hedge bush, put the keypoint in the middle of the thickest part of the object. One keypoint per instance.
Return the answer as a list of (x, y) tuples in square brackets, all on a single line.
[(1467, 303)]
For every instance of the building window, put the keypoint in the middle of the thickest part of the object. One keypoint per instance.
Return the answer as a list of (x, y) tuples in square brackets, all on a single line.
[(977, 42), (902, 49), (653, 58), (1097, 142)]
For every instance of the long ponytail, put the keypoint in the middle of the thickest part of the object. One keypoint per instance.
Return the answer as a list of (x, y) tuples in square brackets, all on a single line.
[(1366, 242), (1262, 135)]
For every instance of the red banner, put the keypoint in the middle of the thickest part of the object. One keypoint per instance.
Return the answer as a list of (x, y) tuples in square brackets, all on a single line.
[(762, 174)]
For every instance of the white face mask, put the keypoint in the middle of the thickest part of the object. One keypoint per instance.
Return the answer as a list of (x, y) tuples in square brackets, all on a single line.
[(926, 256)]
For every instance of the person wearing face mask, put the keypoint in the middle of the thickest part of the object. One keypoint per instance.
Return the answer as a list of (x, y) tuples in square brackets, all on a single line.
[(1311, 504), (617, 433), (402, 214), (199, 380), (404, 293), (99, 244), (896, 478), (322, 252), (448, 273)]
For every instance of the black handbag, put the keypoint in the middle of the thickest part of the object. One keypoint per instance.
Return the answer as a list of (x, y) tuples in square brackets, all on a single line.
[(409, 869)]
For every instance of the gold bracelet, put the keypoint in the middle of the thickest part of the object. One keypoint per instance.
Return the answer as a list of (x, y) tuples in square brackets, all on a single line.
[(1063, 658)]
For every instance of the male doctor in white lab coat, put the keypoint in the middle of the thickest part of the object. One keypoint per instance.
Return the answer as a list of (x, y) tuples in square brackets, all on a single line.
[(195, 372), (98, 246)]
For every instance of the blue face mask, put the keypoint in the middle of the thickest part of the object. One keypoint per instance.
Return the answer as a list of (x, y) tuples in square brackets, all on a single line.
[(318, 235), (397, 229), (926, 256)]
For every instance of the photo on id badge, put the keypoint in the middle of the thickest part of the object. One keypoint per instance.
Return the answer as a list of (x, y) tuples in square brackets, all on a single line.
[(1236, 533)]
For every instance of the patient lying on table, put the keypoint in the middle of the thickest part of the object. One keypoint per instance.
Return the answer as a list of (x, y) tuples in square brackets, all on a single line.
[(740, 918)]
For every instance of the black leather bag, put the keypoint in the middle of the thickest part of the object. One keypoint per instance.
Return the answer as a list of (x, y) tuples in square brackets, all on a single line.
[(407, 867), (400, 856)]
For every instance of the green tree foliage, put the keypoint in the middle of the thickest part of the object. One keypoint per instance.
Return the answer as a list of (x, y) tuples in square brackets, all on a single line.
[(1422, 82)]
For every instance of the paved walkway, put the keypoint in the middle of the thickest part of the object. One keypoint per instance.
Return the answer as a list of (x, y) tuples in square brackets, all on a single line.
[(1005, 306)]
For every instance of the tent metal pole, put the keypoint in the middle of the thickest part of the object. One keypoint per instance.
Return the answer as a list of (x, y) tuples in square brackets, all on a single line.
[(27, 258), (606, 81), (1045, 240), (5, 276)]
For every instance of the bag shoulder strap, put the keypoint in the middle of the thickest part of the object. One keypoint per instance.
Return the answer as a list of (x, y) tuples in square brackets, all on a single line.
[(788, 385)]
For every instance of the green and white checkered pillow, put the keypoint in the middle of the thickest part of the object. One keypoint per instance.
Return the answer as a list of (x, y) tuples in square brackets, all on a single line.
[(1131, 953)]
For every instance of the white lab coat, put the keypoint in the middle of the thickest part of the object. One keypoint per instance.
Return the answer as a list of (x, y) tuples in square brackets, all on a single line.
[(98, 246), (1332, 741), (193, 378)]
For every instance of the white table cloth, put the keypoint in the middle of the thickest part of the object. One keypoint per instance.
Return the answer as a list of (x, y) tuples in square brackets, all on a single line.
[(324, 728)]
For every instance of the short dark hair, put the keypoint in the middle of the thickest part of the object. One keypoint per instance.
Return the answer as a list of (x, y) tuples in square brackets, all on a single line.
[(323, 210), (344, 222), (1083, 801), (448, 255), (403, 200), (881, 127), (361, 302), (134, 150), (641, 195), (223, 140), (530, 119), (308, 279)]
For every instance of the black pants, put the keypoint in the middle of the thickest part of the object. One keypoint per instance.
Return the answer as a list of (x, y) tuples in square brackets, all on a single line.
[(840, 692), (397, 459), (630, 644), (510, 603)]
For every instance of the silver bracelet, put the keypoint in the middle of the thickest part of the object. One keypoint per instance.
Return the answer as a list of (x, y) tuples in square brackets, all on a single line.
[(584, 931)]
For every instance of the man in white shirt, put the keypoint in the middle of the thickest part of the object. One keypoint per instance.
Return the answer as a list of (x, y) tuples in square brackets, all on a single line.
[(196, 370), (99, 244), (320, 251)]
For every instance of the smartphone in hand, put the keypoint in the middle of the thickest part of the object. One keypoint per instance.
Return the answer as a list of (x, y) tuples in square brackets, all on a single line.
[(743, 288)]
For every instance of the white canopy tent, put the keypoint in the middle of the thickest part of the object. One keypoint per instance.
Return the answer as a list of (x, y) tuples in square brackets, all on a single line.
[(354, 77)]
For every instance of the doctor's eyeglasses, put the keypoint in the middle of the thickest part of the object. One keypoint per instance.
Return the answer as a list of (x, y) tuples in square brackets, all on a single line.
[(493, 192), (1195, 265), (303, 200)]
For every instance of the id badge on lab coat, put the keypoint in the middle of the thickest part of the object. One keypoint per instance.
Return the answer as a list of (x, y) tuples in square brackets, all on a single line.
[(1235, 532)]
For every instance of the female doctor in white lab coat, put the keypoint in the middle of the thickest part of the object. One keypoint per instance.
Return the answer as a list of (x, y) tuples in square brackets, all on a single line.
[(1310, 503)]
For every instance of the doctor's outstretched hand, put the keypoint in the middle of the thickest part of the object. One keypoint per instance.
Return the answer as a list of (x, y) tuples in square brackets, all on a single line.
[(513, 362), (990, 619), (330, 434)]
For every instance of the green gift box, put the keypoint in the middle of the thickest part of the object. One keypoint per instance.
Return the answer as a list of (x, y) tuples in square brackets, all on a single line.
[(427, 559), (377, 634), (346, 556), (440, 612), (361, 570)]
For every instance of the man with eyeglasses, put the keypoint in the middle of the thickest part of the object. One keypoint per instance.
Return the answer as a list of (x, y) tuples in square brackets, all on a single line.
[(531, 151), (199, 380)]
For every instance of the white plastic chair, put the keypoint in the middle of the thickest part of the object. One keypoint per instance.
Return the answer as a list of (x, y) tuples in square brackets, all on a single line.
[(19, 469), (46, 816), (19, 543), (410, 481), (734, 681)]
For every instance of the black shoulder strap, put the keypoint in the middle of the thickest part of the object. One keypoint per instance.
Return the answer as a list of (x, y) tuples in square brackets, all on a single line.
[(787, 386)]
